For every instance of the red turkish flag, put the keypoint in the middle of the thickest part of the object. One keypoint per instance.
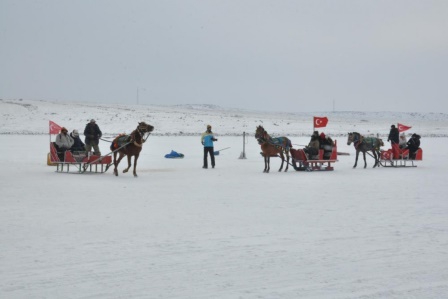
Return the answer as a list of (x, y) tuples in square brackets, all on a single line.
[(54, 128), (320, 122), (402, 128)]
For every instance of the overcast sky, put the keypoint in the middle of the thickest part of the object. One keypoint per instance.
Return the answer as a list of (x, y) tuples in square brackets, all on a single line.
[(274, 55)]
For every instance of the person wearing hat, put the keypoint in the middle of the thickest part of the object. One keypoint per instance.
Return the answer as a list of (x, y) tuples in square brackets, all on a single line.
[(313, 146), (78, 145), (93, 135), (64, 142), (207, 139)]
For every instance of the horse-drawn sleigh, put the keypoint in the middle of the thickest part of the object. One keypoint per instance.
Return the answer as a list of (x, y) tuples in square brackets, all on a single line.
[(397, 157), (82, 162), (77, 162), (323, 161), (394, 157), (300, 161)]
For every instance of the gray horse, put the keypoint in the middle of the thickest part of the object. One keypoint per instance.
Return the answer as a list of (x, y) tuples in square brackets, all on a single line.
[(365, 144)]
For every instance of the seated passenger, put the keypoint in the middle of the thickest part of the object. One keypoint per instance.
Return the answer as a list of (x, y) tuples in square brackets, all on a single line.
[(313, 147), (64, 142), (402, 142), (326, 143), (78, 145), (413, 145)]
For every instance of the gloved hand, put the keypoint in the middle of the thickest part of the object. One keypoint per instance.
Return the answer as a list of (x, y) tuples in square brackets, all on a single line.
[(214, 139)]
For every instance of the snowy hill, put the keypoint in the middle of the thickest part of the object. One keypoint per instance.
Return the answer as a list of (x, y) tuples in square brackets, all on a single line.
[(32, 116)]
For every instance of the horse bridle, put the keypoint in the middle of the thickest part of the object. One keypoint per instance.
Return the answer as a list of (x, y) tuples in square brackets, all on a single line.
[(142, 129), (261, 139)]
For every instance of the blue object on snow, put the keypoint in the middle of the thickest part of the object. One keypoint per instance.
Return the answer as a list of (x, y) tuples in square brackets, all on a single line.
[(174, 155)]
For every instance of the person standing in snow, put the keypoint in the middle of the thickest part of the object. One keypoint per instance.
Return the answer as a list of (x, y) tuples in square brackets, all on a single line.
[(207, 139), (93, 135)]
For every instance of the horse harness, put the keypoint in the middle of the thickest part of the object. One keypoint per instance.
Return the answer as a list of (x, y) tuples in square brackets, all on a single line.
[(369, 141), (357, 142), (271, 141)]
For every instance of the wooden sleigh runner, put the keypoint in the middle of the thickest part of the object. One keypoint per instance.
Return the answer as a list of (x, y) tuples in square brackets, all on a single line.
[(322, 162), (77, 162)]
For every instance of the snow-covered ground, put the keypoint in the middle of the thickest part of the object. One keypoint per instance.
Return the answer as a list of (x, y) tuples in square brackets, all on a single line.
[(31, 117), (179, 231)]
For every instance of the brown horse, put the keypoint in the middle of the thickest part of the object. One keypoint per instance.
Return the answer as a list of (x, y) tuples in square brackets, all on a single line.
[(271, 147), (130, 145)]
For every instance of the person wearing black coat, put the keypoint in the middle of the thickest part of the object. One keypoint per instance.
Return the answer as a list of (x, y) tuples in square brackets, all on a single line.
[(78, 145), (313, 146), (93, 135), (413, 145), (394, 135)]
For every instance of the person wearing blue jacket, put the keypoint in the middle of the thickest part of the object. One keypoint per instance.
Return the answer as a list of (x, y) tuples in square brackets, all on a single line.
[(207, 139)]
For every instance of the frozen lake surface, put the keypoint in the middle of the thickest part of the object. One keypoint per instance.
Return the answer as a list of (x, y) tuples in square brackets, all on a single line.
[(179, 231)]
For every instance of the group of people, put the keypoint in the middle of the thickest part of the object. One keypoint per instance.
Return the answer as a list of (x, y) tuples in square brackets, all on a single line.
[(396, 139), (72, 142), (92, 133), (317, 142)]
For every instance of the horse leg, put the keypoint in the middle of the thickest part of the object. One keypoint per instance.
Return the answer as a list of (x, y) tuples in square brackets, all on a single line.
[(378, 156), (265, 163), (356, 159), (115, 164), (135, 165), (268, 163), (287, 161), (374, 157), (283, 160), (365, 161), (129, 164), (121, 155)]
